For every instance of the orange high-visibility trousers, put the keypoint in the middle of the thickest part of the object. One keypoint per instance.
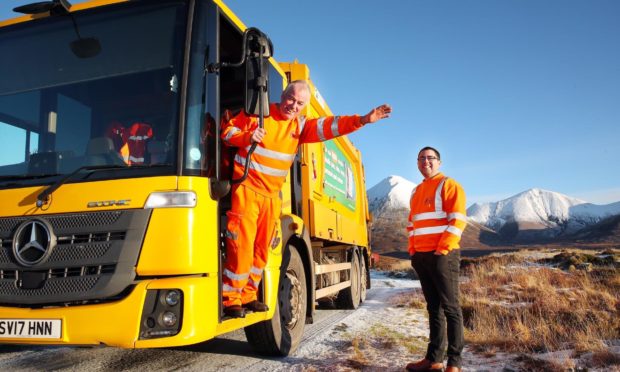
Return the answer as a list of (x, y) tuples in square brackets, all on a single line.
[(253, 228)]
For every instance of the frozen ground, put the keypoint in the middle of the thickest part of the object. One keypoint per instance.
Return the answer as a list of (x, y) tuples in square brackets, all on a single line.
[(384, 335)]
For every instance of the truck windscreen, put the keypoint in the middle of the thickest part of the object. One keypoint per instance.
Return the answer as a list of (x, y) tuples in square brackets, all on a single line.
[(62, 109)]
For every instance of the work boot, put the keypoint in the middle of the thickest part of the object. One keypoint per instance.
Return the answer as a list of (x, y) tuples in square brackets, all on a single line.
[(234, 311), (424, 365), (453, 369), (256, 306)]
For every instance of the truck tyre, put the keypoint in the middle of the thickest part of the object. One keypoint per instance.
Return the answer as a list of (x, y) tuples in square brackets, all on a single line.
[(363, 279), (281, 335), (349, 298)]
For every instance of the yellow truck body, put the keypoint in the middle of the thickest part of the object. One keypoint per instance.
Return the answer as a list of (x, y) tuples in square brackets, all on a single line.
[(130, 253)]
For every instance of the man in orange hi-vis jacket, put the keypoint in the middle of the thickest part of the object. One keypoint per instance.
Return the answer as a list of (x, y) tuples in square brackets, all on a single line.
[(436, 222), (253, 221)]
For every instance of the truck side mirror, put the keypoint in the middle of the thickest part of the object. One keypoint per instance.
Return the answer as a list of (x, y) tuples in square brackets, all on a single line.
[(259, 50)]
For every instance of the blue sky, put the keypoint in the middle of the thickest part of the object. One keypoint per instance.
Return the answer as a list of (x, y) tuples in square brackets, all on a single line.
[(516, 94)]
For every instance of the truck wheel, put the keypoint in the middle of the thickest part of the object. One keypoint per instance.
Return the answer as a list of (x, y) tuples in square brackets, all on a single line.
[(349, 298), (363, 279), (281, 335)]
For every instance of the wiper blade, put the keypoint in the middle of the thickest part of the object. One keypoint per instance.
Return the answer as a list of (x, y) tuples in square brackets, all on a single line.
[(42, 198)]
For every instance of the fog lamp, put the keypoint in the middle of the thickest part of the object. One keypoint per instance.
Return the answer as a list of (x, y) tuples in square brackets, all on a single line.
[(168, 319), (172, 298)]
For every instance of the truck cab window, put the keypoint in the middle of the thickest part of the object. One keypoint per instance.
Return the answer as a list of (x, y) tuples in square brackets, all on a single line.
[(118, 107)]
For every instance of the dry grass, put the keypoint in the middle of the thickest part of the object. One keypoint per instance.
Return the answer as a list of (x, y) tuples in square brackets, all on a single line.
[(413, 300), (527, 308)]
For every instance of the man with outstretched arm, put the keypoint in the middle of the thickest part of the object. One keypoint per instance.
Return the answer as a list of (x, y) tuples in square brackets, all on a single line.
[(253, 221)]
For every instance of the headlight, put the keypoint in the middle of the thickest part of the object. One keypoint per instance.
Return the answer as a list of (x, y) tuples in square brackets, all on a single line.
[(172, 298), (172, 199)]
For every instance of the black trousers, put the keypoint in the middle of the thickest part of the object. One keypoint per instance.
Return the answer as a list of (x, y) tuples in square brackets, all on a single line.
[(439, 278)]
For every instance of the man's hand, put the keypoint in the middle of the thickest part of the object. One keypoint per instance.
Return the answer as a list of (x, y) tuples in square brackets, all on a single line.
[(377, 114), (258, 135)]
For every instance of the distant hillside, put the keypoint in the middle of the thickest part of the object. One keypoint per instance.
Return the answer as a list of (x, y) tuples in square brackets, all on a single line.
[(534, 216), (537, 215), (605, 231)]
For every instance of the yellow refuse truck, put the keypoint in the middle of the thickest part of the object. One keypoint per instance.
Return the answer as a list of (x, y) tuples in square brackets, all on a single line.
[(114, 183)]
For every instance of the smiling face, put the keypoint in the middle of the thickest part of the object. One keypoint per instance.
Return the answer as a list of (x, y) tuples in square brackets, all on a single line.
[(294, 99), (428, 163)]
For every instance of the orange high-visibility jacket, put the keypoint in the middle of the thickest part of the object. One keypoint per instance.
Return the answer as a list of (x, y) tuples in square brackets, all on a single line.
[(438, 217), (273, 157), (137, 135)]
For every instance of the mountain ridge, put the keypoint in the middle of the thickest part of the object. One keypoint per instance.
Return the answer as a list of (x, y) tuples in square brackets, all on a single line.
[(532, 216)]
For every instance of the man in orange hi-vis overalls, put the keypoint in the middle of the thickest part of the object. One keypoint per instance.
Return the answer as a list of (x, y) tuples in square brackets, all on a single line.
[(253, 221), (436, 222)]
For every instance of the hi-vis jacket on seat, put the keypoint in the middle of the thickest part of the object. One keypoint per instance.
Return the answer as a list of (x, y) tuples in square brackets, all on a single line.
[(437, 218), (253, 220)]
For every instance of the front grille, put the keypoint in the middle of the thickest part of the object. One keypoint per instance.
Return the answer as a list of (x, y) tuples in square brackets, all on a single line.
[(74, 247), (94, 258), (52, 287), (8, 274), (68, 221)]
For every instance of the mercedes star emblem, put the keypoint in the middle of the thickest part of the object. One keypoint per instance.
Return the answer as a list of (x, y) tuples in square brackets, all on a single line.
[(33, 242)]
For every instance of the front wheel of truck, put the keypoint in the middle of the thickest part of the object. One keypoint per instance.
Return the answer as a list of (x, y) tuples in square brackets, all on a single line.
[(281, 334)]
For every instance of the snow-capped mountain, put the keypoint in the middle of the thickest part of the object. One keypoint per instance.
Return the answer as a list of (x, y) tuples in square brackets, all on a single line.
[(533, 216), (538, 213), (389, 204), (392, 193)]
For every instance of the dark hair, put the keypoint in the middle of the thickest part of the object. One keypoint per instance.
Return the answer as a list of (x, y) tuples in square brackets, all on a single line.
[(431, 148)]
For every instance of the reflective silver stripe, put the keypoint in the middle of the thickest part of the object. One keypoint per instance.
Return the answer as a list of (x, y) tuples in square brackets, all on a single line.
[(231, 132), (272, 154), (410, 224), (429, 216), (319, 129), (256, 271), (234, 276), (302, 124), (454, 230), (457, 216), (430, 230), (335, 131), (262, 168), (253, 283), (228, 288), (411, 233), (138, 138), (133, 158), (438, 202)]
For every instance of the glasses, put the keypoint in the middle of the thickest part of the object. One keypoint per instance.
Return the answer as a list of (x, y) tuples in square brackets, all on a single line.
[(429, 158)]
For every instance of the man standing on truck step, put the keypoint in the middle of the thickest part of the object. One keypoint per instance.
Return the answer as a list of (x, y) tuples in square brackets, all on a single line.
[(253, 221), (436, 222)]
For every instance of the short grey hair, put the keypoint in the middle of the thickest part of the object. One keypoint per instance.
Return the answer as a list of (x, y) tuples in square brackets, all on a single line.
[(293, 83)]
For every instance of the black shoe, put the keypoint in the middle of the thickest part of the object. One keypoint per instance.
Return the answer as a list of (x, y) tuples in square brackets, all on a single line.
[(234, 311), (256, 306)]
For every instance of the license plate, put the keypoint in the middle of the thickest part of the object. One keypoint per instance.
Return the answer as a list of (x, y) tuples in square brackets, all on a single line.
[(30, 328)]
